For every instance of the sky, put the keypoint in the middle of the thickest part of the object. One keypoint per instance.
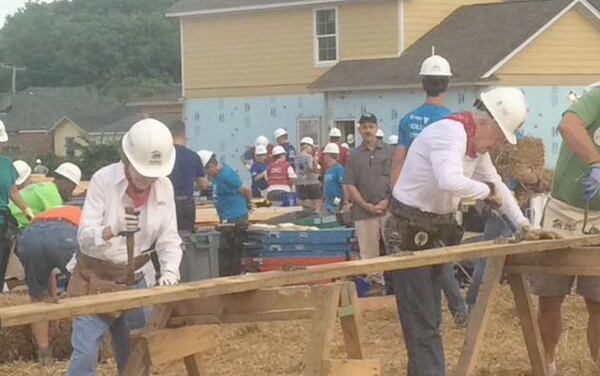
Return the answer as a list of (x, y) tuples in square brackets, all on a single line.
[(9, 7)]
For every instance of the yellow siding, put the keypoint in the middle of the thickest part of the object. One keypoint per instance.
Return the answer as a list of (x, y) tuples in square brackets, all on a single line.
[(62, 132), (567, 53), (369, 30), (420, 16), (272, 52)]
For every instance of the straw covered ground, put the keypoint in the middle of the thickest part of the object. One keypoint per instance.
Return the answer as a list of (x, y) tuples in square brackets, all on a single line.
[(276, 349)]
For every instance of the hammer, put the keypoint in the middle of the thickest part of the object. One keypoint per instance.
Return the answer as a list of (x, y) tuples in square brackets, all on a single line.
[(130, 239)]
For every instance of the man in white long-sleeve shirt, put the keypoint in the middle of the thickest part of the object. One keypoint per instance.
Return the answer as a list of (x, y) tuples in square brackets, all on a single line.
[(138, 182), (447, 162)]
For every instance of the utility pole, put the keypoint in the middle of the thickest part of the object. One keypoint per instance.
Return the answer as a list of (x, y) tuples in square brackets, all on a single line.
[(14, 69)]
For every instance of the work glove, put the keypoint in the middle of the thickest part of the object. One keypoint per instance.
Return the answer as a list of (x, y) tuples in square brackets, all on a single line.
[(527, 233), (591, 184), (494, 199), (128, 223), (167, 279), (29, 214)]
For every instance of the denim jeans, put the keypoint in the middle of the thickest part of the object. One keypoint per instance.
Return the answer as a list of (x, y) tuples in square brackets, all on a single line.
[(88, 337), (495, 228), (451, 288)]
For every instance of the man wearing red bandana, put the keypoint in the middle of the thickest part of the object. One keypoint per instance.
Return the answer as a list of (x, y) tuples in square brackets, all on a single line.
[(447, 162)]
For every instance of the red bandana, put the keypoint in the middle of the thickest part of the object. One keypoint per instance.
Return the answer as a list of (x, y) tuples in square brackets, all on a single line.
[(138, 197), (466, 118)]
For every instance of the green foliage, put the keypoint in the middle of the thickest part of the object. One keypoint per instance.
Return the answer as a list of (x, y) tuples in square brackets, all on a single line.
[(93, 157), (100, 42), (50, 160)]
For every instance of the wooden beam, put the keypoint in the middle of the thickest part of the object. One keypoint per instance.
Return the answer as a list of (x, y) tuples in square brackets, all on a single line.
[(124, 300), (531, 331), (576, 257), (351, 322), (167, 345), (352, 367), (193, 365), (479, 316), (238, 318), (591, 271)]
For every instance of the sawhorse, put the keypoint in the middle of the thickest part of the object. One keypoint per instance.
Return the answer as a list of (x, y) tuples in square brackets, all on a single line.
[(178, 331), (581, 261)]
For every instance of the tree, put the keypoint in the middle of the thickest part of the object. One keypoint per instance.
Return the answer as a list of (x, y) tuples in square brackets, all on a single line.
[(92, 42)]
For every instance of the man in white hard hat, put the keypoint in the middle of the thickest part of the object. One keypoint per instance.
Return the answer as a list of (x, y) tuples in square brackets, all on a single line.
[(187, 176), (575, 191), (248, 157), (367, 182), (307, 171), (281, 136), (281, 176), (335, 136), (393, 140), (24, 171), (133, 197), (258, 172), (233, 203), (334, 198), (447, 162), (43, 196), (435, 76), (40, 168), (380, 135)]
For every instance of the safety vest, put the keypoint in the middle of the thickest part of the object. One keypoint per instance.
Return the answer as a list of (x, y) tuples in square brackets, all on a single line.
[(277, 173), (70, 214)]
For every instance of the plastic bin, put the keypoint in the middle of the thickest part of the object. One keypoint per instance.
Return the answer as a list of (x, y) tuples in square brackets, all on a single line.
[(200, 255), (329, 236)]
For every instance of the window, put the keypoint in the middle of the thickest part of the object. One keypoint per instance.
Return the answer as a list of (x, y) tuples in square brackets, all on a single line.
[(70, 146), (310, 128), (326, 34)]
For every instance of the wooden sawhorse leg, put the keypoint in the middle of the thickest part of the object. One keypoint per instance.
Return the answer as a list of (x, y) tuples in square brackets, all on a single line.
[(479, 315)]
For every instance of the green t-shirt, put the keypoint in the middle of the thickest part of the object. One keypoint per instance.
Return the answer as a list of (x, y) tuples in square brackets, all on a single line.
[(8, 177), (570, 170), (39, 197)]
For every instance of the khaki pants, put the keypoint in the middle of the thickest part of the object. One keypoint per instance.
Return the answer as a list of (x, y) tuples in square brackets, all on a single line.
[(369, 232), (567, 221)]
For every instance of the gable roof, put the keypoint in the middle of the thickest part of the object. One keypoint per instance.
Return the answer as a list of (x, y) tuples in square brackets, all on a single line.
[(40, 109), (474, 38), (122, 125), (199, 7)]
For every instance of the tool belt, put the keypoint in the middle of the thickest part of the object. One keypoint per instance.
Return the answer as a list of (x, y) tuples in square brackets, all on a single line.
[(419, 230), (93, 276)]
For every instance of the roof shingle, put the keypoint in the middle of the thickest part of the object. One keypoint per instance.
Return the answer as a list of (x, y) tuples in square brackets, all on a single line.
[(474, 38)]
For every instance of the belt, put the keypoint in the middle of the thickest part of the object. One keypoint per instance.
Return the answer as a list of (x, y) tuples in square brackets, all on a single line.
[(401, 210), (109, 271)]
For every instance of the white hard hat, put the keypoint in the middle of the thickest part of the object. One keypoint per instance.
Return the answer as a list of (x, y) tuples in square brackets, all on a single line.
[(3, 134), (260, 150), (508, 107), (379, 133), (308, 141), (38, 161), (280, 132), (69, 171), (592, 86), (350, 138), (335, 132), (205, 156), (148, 145), (331, 148), (23, 169), (436, 66), (278, 150), (346, 146), (393, 139), (262, 141)]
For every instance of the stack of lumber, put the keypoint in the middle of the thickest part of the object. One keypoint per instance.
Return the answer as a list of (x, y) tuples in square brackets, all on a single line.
[(206, 215)]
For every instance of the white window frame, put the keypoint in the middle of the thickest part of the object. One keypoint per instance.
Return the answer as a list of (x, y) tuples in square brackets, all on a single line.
[(329, 63)]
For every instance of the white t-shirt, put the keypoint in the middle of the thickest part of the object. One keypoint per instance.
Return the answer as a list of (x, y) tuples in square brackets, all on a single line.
[(437, 173)]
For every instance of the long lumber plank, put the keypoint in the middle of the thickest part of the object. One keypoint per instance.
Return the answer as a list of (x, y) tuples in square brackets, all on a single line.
[(118, 301)]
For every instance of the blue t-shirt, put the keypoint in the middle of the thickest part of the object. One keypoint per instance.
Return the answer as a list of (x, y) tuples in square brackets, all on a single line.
[(334, 177), (258, 185), (412, 124), (290, 153), (188, 167), (230, 203)]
